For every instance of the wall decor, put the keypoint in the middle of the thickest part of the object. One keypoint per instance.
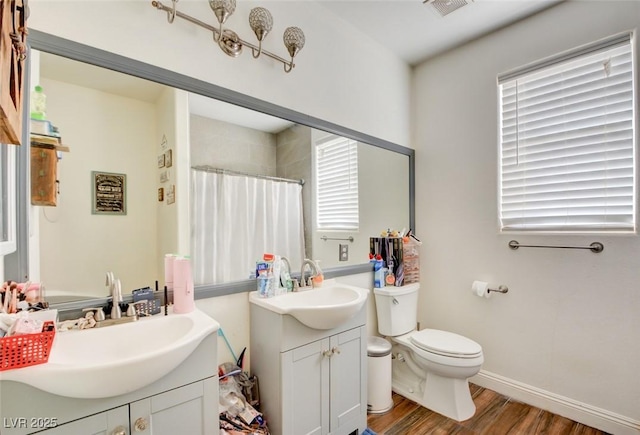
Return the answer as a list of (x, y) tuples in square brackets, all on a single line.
[(171, 194), (164, 176), (160, 194), (168, 158), (109, 193), (161, 161)]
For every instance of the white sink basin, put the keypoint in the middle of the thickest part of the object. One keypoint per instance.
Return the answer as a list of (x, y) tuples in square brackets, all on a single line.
[(324, 307), (118, 359)]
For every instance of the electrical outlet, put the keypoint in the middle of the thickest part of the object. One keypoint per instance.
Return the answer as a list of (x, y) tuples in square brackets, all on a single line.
[(343, 254)]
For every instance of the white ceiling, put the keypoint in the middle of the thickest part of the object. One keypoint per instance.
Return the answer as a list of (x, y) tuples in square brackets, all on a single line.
[(81, 74), (416, 31)]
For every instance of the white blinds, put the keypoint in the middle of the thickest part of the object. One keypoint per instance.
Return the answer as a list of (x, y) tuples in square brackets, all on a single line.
[(337, 184), (567, 143)]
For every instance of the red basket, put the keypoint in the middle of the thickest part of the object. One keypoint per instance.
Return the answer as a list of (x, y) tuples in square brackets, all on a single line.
[(25, 350)]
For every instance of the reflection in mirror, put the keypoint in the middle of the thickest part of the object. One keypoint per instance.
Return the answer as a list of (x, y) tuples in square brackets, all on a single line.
[(152, 134), (8, 203)]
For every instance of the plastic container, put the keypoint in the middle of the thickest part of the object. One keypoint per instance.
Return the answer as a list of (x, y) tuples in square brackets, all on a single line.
[(183, 297), (38, 104), (168, 270), (379, 398), (25, 350), (411, 261)]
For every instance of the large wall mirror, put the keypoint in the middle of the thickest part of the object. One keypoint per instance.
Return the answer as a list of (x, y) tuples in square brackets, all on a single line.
[(118, 116)]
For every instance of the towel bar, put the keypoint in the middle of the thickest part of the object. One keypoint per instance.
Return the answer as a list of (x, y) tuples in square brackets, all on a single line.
[(325, 238), (596, 247)]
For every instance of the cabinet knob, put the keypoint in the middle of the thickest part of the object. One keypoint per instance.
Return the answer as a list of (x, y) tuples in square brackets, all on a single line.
[(329, 353), (140, 424), (119, 430)]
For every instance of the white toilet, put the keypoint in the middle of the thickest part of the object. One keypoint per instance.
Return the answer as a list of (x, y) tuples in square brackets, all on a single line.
[(430, 367)]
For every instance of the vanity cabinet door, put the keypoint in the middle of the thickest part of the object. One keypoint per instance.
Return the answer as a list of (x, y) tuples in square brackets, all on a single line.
[(348, 379), (305, 389), (192, 409), (112, 422), (324, 385)]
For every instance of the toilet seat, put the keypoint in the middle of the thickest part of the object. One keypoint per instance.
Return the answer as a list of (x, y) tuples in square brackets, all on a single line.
[(445, 343)]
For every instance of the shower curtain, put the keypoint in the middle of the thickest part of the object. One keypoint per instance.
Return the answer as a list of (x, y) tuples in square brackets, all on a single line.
[(236, 219)]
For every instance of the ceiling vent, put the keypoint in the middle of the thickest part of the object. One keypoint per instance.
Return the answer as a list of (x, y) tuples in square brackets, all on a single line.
[(445, 7)]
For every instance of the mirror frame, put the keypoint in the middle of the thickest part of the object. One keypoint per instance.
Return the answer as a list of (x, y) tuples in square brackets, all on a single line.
[(76, 51)]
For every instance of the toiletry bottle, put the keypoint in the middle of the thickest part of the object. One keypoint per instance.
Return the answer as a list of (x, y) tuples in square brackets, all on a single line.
[(262, 281), (38, 104), (378, 273), (317, 280), (183, 301)]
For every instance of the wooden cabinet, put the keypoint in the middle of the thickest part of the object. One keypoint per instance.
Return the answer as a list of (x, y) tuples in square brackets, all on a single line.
[(13, 29), (44, 176), (311, 381), (45, 185)]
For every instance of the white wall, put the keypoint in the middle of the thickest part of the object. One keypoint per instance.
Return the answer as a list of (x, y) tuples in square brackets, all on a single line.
[(171, 133), (569, 327), (76, 246)]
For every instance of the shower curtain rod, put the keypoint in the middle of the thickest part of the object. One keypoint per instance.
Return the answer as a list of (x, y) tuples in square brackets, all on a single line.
[(230, 172)]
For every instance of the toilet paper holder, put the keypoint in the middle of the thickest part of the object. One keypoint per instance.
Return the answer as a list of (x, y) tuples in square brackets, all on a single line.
[(500, 289)]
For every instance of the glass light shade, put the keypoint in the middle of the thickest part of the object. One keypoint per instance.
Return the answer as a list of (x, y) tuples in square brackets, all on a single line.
[(261, 22), (293, 40), (223, 9)]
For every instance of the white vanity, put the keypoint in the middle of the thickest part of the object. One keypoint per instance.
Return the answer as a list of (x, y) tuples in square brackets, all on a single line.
[(182, 400), (312, 381)]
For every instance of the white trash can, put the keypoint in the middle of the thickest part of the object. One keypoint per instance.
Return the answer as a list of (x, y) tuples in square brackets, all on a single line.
[(379, 398)]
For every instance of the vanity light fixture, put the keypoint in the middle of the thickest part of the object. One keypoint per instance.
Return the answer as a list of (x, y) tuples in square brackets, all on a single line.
[(261, 23)]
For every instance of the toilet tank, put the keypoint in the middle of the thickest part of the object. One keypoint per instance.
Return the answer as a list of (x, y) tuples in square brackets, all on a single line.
[(397, 309)]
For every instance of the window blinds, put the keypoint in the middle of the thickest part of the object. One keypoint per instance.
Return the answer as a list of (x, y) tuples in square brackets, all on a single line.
[(337, 184), (567, 142)]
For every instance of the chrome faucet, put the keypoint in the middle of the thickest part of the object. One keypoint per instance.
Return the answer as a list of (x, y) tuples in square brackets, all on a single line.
[(115, 290), (315, 271)]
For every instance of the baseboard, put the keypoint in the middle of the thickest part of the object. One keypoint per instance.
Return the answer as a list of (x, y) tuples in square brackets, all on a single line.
[(581, 412)]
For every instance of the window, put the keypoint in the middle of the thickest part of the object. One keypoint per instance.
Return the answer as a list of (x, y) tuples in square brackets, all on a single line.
[(8, 203), (337, 184), (567, 142)]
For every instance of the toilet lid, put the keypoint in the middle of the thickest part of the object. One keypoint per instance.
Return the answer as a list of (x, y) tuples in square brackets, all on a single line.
[(446, 343)]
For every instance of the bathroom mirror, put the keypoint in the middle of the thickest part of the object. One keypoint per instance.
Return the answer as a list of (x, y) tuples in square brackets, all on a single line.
[(206, 101)]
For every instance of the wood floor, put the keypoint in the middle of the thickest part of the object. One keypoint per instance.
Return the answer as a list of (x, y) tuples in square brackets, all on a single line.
[(495, 415)]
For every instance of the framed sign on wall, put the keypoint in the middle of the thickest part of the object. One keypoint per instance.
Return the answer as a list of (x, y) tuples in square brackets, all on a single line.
[(109, 193)]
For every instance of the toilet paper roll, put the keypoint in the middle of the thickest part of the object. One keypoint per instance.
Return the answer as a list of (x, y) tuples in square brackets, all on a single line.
[(481, 289)]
